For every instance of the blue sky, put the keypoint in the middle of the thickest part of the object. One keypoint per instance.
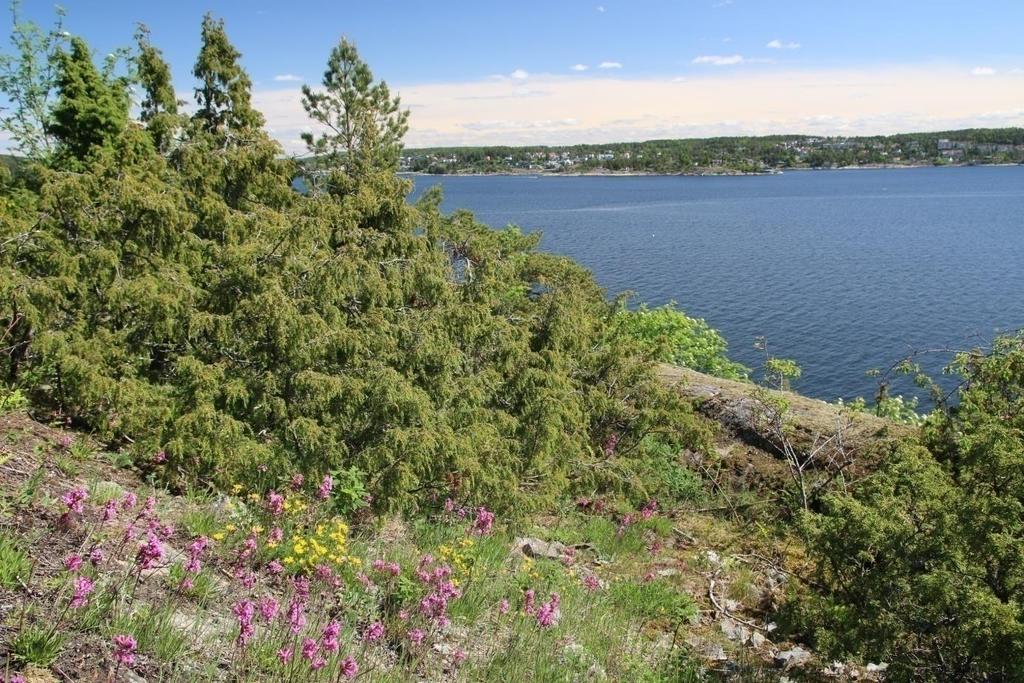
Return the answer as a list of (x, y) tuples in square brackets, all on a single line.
[(520, 57)]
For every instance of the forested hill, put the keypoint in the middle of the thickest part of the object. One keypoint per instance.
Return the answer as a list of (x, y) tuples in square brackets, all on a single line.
[(729, 154)]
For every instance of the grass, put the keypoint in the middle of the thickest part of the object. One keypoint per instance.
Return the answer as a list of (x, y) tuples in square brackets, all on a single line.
[(15, 566), (37, 644), (155, 630)]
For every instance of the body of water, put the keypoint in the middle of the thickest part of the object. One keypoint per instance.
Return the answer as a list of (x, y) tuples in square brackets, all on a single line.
[(842, 271)]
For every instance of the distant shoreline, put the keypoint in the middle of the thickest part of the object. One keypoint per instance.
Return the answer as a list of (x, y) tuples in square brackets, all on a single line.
[(693, 174)]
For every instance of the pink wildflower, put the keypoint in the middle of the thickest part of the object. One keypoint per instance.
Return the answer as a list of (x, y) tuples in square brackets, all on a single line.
[(324, 492), (96, 557), (159, 458), (268, 608), (310, 648), (484, 521), (648, 577), (74, 498), (149, 506), (449, 505), (349, 668), (245, 611), (416, 636), (375, 632), (124, 649), (150, 553), (297, 481), (284, 655), (274, 568), (276, 535), (610, 444), (73, 562), (250, 548), (591, 582), (548, 613), (296, 616), (109, 511), (459, 656), (503, 606), (302, 587), (128, 501), (330, 637), (528, 604), (275, 503), (83, 587), (649, 509)]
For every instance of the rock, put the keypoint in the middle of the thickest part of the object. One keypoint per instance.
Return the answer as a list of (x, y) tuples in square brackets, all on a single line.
[(796, 656), (713, 559), (835, 670), (670, 571), (715, 653), (757, 640), (876, 668), (534, 547), (734, 631)]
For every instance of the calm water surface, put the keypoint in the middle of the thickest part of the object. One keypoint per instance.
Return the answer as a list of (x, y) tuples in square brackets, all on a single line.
[(842, 271)]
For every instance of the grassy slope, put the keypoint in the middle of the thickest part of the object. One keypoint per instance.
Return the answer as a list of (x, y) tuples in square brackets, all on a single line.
[(669, 598)]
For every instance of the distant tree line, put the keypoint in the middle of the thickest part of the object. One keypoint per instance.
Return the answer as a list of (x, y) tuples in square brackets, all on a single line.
[(736, 154)]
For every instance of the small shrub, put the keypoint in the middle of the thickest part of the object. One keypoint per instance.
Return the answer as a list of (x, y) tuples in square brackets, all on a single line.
[(11, 400)]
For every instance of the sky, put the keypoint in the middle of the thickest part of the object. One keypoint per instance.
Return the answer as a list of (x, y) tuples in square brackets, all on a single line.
[(568, 71)]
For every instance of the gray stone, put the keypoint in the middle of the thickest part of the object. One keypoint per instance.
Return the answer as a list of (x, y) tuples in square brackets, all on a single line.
[(796, 656), (534, 547)]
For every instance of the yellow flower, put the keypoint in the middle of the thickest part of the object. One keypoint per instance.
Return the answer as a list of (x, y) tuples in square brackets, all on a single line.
[(230, 527), (257, 529), (219, 536), (236, 488)]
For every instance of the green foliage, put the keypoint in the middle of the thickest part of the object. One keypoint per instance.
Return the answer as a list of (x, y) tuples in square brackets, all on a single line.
[(780, 372), (670, 336), (180, 296), (14, 563), (27, 80), (12, 399), (91, 108), (37, 644), (159, 106), (923, 564), (365, 124), (224, 92), (655, 600), (895, 408)]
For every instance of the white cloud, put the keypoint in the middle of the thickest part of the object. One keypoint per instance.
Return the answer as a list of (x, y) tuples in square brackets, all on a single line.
[(779, 45), (609, 65), (719, 60), (983, 71), (601, 9), (579, 67), (559, 109), (723, 3), (287, 78), (520, 74)]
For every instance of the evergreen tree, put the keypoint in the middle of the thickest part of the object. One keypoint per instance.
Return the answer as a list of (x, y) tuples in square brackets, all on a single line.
[(91, 108), (364, 125), (159, 106), (223, 94)]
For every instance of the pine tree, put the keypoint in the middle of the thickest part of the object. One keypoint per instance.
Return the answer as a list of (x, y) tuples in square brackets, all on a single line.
[(364, 124)]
